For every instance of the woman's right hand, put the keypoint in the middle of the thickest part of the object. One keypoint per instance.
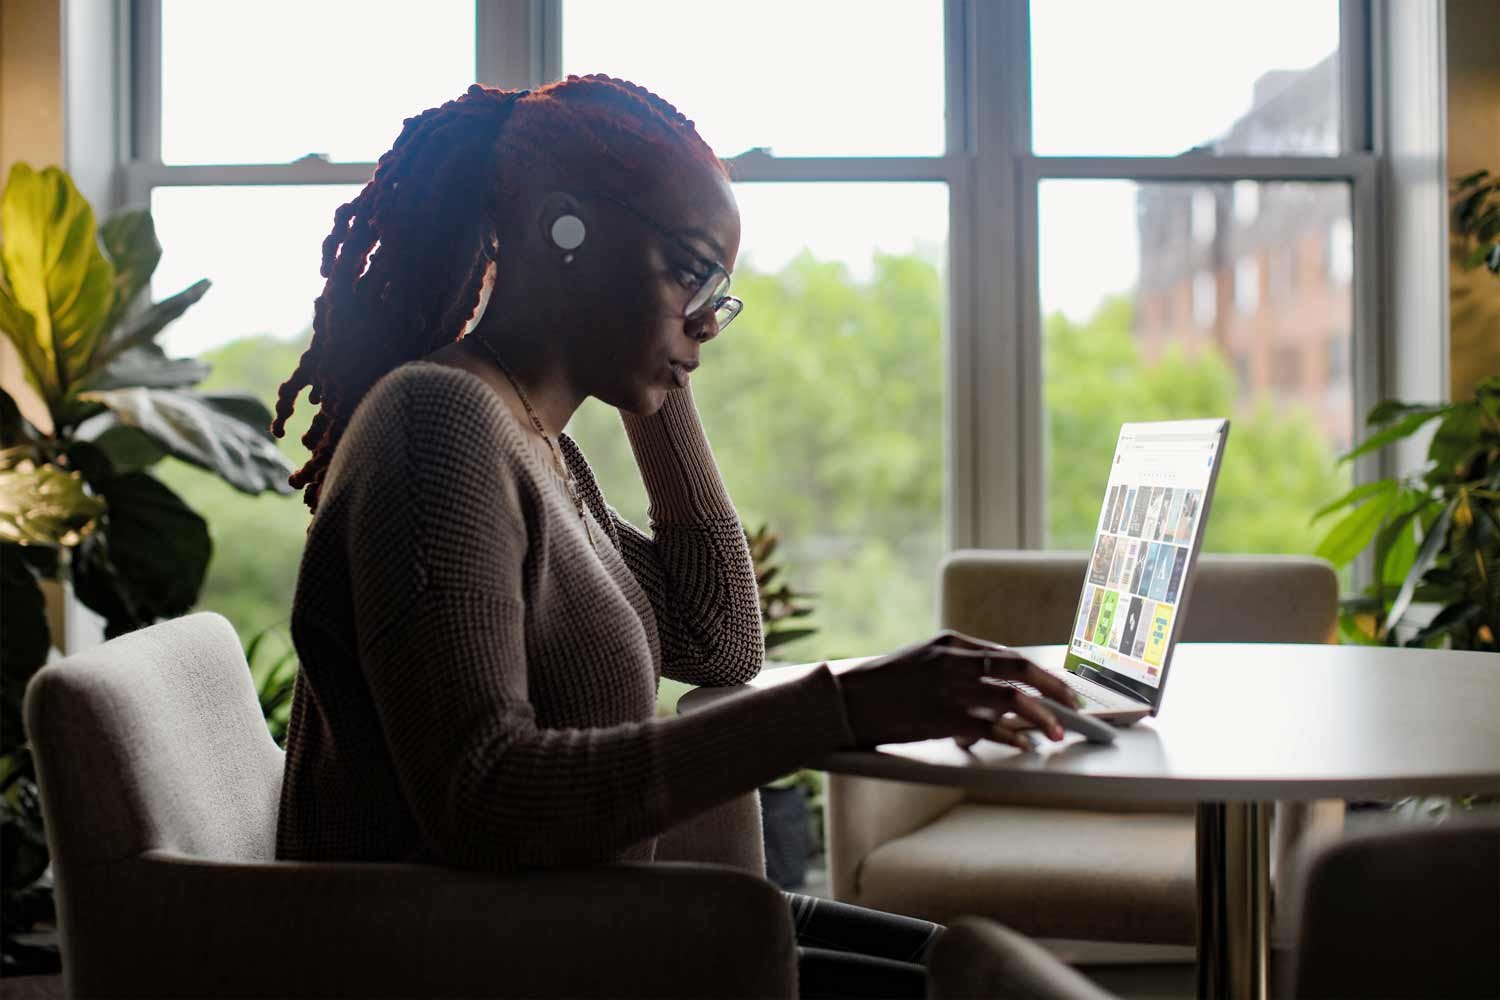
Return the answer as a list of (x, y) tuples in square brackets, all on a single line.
[(949, 685)]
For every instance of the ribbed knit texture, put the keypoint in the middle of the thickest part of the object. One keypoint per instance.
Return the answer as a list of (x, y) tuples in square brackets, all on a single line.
[(478, 684)]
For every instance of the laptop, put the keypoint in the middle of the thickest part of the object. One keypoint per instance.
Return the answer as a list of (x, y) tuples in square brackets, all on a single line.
[(1140, 573)]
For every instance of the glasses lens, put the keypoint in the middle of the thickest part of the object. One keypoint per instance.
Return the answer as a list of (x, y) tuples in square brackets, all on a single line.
[(728, 309), (712, 290)]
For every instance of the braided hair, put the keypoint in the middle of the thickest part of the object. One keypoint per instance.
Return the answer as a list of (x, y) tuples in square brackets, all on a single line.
[(405, 264)]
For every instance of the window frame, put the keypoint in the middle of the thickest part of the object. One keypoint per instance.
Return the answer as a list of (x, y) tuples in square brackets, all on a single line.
[(995, 419)]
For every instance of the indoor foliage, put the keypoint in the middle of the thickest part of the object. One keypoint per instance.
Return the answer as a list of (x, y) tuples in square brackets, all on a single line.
[(78, 504), (1436, 533)]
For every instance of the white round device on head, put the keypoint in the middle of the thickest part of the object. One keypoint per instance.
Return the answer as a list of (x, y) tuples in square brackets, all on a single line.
[(568, 232)]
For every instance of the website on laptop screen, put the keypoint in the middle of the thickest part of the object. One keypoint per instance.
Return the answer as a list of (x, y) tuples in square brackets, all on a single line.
[(1148, 529)]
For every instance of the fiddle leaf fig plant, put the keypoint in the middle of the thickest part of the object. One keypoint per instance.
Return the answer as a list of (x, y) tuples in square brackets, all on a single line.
[(78, 502)]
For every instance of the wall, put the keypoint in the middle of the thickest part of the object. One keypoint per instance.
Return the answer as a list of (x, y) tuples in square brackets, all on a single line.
[(1473, 79), (31, 128)]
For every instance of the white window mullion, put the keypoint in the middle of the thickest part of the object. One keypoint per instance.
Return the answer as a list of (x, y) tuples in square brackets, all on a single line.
[(519, 42)]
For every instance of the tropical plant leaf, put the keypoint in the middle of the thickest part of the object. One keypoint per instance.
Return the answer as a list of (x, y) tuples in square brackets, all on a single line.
[(1403, 427), (780, 637), (1396, 544), (1349, 536), (18, 439), (208, 431), (1387, 410), (126, 448), (142, 329), (1455, 442), (55, 269), (46, 506), (24, 641), (1354, 496), (129, 238), (150, 559), (1432, 544), (20, 328), (145, 365), (1452, 617)]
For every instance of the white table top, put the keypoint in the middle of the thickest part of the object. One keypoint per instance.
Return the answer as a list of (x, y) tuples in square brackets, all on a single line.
[(1239, 722)]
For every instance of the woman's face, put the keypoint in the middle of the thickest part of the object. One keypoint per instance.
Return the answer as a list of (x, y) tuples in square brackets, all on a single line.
[(635, 345)]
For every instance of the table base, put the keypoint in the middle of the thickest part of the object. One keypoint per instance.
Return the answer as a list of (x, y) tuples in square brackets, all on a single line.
[(1234, 900)]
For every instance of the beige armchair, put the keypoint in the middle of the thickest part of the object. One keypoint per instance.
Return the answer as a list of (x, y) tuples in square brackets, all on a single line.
[(160, 787), (1092, 870)]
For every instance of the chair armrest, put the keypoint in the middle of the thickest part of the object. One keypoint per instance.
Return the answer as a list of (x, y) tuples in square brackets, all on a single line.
[(181, 926), (729, 835), (976, 957), (863, 813), (1301, 829)]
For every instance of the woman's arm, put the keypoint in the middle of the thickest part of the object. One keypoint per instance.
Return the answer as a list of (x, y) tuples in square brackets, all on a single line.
[(695, 566)]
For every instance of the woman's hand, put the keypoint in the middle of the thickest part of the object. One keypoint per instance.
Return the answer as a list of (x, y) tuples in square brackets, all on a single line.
[(949, 685)]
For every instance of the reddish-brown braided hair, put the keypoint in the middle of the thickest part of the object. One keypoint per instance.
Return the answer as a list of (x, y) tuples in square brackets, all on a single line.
[(406, 260)]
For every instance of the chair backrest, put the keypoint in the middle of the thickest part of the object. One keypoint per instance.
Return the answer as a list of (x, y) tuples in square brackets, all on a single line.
[(154, 740), (1029, 598), (1405, 912)]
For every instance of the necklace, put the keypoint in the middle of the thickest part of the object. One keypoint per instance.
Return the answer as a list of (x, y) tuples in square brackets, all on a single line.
[(536, 422)]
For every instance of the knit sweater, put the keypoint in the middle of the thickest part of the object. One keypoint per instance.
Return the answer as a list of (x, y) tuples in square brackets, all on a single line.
[(478, 682)]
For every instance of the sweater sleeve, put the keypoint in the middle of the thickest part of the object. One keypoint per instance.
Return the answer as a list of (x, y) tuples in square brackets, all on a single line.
[(694, 566), (438, 546)]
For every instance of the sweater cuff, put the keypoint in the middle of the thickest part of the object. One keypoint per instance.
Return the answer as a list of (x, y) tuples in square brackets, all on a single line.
[(677, 466)]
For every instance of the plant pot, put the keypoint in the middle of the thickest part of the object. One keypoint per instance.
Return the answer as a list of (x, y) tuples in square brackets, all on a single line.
[(784, 824)]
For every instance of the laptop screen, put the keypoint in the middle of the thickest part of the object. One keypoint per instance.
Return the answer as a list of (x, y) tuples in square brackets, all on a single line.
[(1150, 529)]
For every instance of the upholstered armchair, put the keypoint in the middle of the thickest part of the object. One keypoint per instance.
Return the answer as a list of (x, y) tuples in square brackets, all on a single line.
[(160, 786), (1092, 870)]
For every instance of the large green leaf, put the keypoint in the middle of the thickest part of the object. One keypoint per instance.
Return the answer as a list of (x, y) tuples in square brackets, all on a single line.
[(143, 328), (150, 559), (123, 448), (146, 365), (55, 269), (1354, 496), (46, 506), (24, 641), (209, 431), (1348, 537), (130, 240), (1432, 544), (20, 329), (1404, 427)]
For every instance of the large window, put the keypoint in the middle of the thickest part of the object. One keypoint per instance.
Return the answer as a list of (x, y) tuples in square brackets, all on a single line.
[(976, 238)]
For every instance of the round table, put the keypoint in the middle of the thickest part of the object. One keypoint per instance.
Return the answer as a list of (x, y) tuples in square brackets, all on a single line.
[(1241, 725)]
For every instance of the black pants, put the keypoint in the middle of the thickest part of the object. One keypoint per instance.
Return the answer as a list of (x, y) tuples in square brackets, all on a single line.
[(850, 951)]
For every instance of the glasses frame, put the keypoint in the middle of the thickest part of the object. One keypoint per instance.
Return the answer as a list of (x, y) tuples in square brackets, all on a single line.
[(725, 307)]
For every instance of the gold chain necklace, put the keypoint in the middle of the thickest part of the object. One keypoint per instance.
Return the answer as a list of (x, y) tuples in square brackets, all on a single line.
[(536, 422)]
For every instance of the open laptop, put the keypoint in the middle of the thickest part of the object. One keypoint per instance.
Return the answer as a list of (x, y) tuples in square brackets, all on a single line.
[(1140, 574)]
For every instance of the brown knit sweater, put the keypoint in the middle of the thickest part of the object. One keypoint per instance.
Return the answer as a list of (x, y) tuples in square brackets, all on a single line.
[(478, 684)]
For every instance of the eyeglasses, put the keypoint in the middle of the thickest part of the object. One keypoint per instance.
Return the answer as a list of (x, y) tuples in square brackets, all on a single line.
[(712, 289)]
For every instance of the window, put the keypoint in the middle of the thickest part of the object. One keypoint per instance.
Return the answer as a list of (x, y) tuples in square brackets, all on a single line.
[(1204, 216), (1247, 285), (1164, 77), (953, 231), (1340, 251), (1205, 299), (1246, 202)]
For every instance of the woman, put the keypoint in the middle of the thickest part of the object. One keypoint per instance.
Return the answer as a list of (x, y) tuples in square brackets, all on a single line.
[(481, 636)]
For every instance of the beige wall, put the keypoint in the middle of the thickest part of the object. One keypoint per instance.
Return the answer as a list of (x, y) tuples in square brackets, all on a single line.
[(1473, 36), (31, 129), (31, 94)]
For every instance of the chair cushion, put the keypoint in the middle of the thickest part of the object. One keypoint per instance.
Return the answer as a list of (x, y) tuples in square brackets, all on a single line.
[(1044, 872)]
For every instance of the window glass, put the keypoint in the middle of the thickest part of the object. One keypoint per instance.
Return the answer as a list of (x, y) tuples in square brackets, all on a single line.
[(824, 404), (1161, 77), (1273, 364), (261, 247), (830, 78), (277, 80)]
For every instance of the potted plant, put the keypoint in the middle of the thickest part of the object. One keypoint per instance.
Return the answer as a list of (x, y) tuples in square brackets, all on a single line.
[(1436, 532), (791, 806), (81, 515)]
